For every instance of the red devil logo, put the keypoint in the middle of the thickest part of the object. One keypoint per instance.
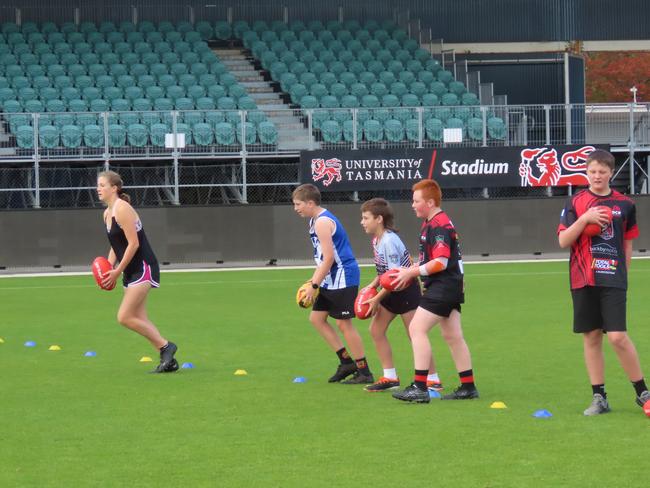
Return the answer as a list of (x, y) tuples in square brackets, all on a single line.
[(326, 170), (573, 164)]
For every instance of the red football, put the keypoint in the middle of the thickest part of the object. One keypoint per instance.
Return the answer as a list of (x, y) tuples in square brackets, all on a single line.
[(592, 230), (386, 279), (362, 310), (646, 408), (100, 267)]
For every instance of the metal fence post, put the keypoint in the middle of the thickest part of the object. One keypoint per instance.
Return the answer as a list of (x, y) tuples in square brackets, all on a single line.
[(567, 122), (177, 197), (106, 153), (631, 147), (310, 128), (420, 127), (355, 121), (243, 153), (484, 128), (37, 166), (547, 123)]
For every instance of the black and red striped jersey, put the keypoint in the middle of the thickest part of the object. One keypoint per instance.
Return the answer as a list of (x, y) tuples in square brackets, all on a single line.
[(600, 260), (439, 239)]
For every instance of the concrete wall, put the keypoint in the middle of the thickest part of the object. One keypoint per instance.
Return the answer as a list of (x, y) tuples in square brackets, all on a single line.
[(43, 238)]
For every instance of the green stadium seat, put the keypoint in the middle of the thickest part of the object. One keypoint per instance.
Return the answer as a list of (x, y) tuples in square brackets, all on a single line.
[(203, 134), (157, 133), (430, 100), (99, 105), (309, 101), (394, 130), (456, 87), (71, 136), (48, 137), (216, 92), (226, 103), (418, 89), (137, 135), (445, 76), (247, 131), (348, 131), (84, 118), (359, 90), (438, 88), (475, 129), (373, 130), (225, 133), (496, 128), (25, 136), (120, 105), (434, 129), (449, 99), (412, 128), (339, 90), (116, 135), (55, 105), (410, 100), (77, 105), (223, 30), (398, 89), (34, 106), (455, 123), (350, 101), (267, 133), (469, 98), (205, 103)]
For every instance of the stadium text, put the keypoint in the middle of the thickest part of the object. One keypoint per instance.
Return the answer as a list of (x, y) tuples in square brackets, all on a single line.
[(478, 167)]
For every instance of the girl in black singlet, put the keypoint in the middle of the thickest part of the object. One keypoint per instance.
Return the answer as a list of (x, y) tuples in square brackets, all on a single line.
[(137, 262)]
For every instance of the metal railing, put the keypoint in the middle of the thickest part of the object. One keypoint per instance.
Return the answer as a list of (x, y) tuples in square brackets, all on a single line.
[(220, 155)]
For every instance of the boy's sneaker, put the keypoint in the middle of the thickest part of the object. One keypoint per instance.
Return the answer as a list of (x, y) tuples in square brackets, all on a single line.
[(167, 362), (598, 405), (434, 385), (462, 393), (383, 384), (168, 367), (413, 394), (642, 398), (359, 378), (343, 371)]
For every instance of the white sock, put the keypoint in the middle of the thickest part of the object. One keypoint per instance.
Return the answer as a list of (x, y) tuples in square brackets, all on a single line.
[(390, 373), (433, 377)]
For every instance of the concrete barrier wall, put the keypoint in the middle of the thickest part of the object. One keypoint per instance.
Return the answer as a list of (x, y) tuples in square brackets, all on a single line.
[(43, 238)]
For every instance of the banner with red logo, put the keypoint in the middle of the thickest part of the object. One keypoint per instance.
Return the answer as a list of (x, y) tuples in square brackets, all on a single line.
[(472, 167)]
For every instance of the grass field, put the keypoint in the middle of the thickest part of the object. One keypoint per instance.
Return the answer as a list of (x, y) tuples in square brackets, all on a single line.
[(68, 420)]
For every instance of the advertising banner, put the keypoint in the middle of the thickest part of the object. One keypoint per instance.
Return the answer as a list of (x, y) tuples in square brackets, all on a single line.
[(471, 167)]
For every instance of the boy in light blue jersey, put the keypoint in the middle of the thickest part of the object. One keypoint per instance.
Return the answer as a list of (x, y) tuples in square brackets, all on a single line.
[(337, 276), (377, 219)]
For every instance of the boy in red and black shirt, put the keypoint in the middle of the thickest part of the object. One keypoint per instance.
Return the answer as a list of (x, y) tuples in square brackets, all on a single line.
[(598, 275), (441, 271)]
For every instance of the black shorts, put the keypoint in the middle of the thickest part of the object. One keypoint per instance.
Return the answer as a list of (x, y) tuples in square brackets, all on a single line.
[(399, 302), (599, 307), (338, 303), (143, 273)]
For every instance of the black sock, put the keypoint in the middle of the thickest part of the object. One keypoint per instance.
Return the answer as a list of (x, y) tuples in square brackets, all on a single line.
[(164, 347), (600, 389), (420, 379), (343, 355), (362, 366), (467, 379), (639, 386)]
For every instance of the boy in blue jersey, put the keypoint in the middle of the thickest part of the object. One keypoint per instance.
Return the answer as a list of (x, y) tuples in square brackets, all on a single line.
[(337, 276)]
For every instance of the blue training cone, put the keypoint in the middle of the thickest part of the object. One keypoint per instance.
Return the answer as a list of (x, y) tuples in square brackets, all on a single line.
[(30, 344), (300, 379), (90, 354), (187, 366), (542, 414), (434, 394)]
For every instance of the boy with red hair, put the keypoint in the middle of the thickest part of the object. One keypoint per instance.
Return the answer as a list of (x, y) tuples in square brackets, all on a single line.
[(441, 271)]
